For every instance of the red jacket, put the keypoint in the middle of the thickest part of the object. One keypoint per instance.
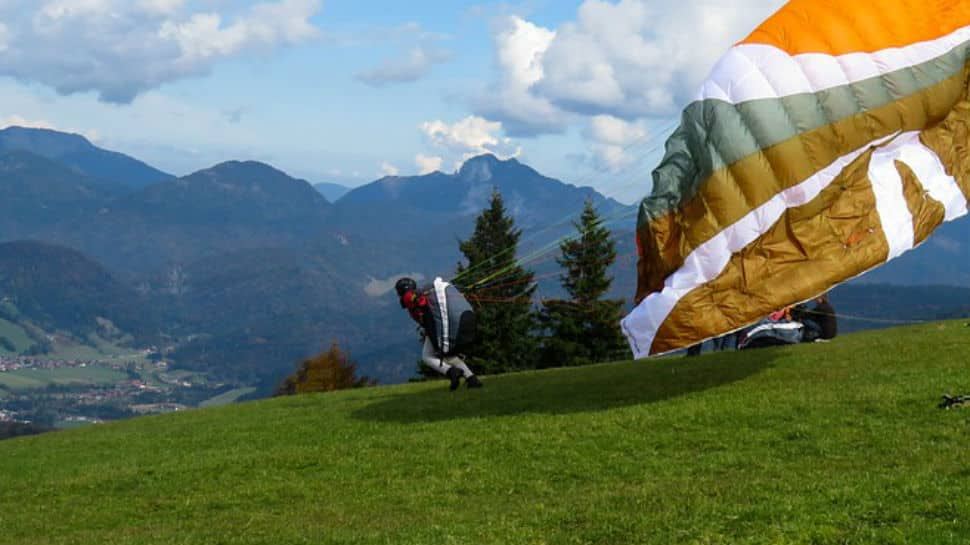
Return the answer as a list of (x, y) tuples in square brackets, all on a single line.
[(417, 305)]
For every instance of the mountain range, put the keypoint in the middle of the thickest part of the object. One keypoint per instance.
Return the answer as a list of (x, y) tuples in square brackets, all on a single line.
[(249, 269), (228, 207), (80, 155), (248, 265), (38, 193)]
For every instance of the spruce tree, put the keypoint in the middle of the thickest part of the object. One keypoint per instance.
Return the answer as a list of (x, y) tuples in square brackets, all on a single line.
[(500, 291), (586, 328)]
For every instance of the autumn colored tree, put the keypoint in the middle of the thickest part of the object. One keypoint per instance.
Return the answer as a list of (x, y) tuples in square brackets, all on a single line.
[(326, 372)]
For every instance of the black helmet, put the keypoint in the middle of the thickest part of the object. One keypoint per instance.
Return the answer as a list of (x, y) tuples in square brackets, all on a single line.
[(405, 285)]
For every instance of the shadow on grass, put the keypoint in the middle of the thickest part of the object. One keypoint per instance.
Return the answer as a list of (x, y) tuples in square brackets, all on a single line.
[(564, 391)]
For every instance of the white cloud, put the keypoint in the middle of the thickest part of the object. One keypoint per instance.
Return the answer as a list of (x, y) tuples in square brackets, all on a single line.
[(427, 165), (469, 137), (204, 36), (120, 49), (176, 141), (628, 59), (412, 67), (636, 58), (610, 139), (377, 287), (465, 139), (62, 9), (621, 71), (18, 121), (387, 169), (520, 46), (610, 130), (161, 7), (415, 52)]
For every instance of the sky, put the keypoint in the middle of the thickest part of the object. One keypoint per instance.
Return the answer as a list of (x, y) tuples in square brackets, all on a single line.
[(348, 91)]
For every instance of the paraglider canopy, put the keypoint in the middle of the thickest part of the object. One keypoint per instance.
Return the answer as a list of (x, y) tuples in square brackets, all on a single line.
[(831, 140)]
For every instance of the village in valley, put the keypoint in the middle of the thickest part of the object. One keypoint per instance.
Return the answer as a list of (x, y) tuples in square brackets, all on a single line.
[(53, 379), (64, 393)]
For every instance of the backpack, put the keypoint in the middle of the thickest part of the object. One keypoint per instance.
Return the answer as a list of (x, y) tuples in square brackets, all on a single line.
[(452, 326)]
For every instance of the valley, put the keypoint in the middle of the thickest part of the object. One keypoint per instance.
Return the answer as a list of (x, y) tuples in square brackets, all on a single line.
[(76, 385)]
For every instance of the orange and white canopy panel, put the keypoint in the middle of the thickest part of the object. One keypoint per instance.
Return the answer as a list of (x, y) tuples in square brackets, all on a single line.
[(834, 138)]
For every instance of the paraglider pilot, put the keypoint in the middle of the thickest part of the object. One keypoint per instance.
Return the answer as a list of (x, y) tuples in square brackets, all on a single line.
[(417, 304), (821, 321)]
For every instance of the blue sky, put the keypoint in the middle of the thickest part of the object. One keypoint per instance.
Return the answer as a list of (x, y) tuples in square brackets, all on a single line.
[(347, 91)]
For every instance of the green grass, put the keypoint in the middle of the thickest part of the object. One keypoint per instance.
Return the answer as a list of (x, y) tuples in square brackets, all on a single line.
[(16, 335), (27, 379), (824, 444), (95, 349), (227, 397), (9, 309), (69, 425)]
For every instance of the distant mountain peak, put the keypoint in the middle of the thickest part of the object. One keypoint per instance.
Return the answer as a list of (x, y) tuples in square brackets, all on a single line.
[(76, 152), (39, 131), (489, 159), (485, 158), (28, 138), (260, 183), (248, 173), (244, 167), (483, 167)]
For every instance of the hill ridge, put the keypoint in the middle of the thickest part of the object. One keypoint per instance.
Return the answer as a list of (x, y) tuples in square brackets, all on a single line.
[(79, 153)]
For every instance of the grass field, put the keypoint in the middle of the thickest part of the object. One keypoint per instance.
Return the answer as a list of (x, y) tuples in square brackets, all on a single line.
[(28, 379), (839, 443), (73, 351), (15, 334), (69, 425), (95, 349), (226, 398)]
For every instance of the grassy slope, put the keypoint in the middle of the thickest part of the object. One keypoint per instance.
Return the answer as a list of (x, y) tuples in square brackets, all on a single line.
[(15, 334), (92, 348), (226, 398), (27, 379), (836, 443)]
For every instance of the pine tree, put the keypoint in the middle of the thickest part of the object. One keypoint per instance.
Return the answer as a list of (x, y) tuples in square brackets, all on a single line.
[(501, 292), (584, 329)]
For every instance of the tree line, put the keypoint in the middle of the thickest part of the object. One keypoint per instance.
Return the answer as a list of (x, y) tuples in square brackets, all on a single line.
[(517, 332)]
